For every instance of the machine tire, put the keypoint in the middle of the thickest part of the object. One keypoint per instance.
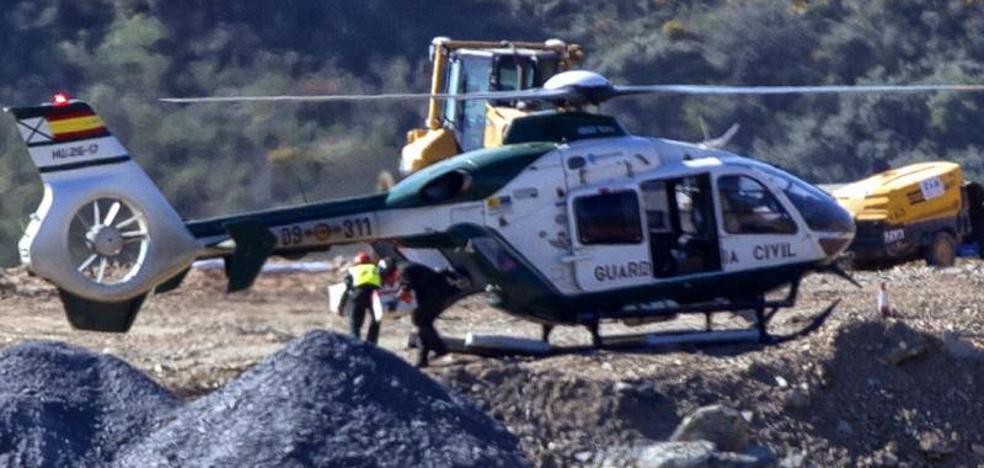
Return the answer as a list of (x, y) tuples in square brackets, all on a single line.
[(942, 252)]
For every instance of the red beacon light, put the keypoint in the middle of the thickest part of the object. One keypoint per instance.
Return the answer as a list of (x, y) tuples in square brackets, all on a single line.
[(60, 99)]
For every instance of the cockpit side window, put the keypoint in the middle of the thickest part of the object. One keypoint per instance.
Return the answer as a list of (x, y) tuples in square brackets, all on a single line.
[(748, 207)]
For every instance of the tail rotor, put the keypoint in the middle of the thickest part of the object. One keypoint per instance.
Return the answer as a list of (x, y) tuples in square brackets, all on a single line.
[(108, 239)]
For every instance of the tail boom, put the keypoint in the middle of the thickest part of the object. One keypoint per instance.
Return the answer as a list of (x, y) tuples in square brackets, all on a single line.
[(303, 228)]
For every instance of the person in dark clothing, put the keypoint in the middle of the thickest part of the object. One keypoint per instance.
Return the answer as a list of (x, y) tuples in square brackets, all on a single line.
[(362, 279), (432, 290)]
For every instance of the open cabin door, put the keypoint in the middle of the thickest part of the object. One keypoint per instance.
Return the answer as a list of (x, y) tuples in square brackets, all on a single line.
[(681, 225), (609, 246)]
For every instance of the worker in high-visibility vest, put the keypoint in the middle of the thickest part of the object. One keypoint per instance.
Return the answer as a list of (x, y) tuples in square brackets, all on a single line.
[(362, 279)]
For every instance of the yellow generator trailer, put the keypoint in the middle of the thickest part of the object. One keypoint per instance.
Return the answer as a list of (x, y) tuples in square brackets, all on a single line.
[(462, 67), (920, 210)]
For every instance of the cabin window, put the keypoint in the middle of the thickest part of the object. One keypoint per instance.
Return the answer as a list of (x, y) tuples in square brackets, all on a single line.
[(446, 186), (608, 218), (749, 208)]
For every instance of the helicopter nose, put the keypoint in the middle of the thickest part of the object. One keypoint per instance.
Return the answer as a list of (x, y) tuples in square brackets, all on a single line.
[(834, 246), (838, 232)]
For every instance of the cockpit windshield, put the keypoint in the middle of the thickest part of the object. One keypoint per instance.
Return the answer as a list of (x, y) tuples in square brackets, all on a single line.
[(820, 211)]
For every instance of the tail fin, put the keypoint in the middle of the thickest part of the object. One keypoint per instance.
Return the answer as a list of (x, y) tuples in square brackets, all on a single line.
[(103, 233)]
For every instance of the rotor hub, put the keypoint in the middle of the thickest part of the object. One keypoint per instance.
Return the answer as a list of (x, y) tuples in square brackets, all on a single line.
[(105, 240), (588, 86), (579, 79)]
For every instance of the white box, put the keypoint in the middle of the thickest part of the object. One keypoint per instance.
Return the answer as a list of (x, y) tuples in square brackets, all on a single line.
[(335, 293), (388, 303)]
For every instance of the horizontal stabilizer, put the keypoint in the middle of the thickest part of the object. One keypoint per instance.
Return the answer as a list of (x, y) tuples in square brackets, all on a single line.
[(85, 314), (254, 244)]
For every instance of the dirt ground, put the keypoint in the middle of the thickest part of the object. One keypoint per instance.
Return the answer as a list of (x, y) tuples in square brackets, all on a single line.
[(860, 391)]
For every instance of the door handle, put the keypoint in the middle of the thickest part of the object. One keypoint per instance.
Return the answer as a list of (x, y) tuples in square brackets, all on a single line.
[(575, 258)]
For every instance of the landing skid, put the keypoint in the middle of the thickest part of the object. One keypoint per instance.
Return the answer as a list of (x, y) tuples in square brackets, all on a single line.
[(500, 346)]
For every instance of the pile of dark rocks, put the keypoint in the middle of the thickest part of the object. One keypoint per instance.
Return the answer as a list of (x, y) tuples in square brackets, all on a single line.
[(65, 406), (324, 400)]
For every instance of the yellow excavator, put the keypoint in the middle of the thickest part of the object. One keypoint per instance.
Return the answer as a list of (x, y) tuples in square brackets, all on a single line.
[(461, 67)]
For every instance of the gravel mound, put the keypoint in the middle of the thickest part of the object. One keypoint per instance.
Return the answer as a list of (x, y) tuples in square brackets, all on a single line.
[(862, 393), (577, 417), (61, 405), (327, 400), (899, 384)]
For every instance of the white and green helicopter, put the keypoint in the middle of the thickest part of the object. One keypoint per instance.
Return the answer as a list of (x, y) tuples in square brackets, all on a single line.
[(571, 222)]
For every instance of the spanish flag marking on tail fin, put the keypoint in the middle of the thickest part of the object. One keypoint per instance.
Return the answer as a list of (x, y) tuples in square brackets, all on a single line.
[(67, 137), (78, 125), (46, 125)]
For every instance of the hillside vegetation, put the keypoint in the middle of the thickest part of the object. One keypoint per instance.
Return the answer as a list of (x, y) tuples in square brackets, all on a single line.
[(121, 55)]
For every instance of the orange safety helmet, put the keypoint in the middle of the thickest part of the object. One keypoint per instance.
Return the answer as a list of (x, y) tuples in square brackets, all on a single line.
[(363, 258)]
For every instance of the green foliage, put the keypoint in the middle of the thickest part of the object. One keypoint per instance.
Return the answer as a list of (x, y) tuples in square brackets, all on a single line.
[(122, 55)]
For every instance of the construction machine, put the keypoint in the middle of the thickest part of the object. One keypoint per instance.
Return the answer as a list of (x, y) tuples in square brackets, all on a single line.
[(921, 210), (467, 67)]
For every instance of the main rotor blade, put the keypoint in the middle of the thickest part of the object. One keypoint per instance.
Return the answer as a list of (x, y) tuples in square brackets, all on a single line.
[(593, 93), (671, 89), (538, 94)]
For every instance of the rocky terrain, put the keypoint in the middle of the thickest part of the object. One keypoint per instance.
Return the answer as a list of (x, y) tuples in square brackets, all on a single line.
[(862, 390)]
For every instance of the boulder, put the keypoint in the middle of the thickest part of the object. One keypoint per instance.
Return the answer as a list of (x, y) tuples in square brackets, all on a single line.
[(934, 445), (677, 455), (720, 425), (903, 344), (697, 454), (797, 398)]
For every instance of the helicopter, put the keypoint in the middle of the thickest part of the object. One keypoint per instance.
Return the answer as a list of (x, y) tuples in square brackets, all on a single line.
[(572, 221)]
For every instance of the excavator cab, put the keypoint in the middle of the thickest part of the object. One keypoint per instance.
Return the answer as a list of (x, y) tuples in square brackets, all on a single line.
[(473, 71), (463, 67)]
